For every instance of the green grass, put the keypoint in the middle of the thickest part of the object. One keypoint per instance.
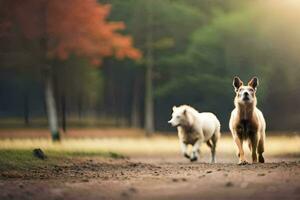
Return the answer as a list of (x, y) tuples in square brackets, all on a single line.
[(24, 159)]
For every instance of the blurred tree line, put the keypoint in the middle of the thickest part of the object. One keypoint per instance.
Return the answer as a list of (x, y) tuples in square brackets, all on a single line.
[(50, 32), (191, 51)]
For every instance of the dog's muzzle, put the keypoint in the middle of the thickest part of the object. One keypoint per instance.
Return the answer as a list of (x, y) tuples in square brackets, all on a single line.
[(175, 125), (246, 96)]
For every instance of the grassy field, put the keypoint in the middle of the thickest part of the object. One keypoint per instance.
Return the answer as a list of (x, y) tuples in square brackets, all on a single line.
[(275, 145), (94, 164), (17, 152)]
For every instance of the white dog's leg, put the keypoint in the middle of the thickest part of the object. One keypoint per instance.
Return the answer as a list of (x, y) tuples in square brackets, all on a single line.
[(184, 149), (214, 141), (196, 150)]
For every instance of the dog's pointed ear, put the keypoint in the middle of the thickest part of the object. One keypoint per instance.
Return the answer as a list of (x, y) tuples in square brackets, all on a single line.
[(254, 82), (184, 112), (174, 108), (237, 83)]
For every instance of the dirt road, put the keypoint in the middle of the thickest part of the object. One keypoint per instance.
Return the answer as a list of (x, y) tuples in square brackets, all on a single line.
[(155, 177)]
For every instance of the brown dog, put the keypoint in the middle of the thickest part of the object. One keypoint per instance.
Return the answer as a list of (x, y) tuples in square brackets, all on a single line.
[(247, 121)]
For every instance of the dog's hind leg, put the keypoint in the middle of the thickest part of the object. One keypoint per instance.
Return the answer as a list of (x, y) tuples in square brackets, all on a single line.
[(261, 149), (212, 147), (214, 141), (250, 145), (209, 143)]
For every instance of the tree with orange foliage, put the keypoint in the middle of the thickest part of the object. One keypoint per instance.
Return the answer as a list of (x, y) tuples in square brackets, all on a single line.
[(64, 27)]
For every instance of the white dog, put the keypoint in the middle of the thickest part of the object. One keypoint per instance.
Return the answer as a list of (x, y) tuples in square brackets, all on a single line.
[(194, 128)]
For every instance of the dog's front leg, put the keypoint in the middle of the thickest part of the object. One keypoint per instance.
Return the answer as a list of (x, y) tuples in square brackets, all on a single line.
[(196, 150), (241, 154), (184, 149), (254, 143)]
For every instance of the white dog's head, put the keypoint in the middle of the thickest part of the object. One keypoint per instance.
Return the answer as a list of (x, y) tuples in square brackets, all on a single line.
[(245, 94), (179, 116)]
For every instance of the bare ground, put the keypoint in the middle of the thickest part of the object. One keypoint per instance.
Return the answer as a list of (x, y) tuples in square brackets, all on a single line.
[(155, 177)]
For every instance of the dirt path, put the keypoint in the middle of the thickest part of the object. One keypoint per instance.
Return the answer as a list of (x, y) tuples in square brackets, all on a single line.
[(155, 177)]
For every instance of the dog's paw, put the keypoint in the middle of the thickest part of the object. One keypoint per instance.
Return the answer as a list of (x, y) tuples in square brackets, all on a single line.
[(193, 159), (186, 155), (261, 159), (243, 162)]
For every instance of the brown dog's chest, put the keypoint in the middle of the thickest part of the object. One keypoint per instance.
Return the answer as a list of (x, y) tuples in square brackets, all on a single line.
[(246, 128)]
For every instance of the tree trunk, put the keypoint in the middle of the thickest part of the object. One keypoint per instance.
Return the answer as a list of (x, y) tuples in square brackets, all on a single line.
[(63, 113), (149, 122), (135, 109), (26, 109), (51, 106), (79, 106), (49, 93)]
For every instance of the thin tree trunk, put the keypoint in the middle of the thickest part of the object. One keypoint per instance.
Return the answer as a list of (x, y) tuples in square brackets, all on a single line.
[(49, 93), (79, 106), (63, 113), (149, 121), (26, 109), (135, 110), (51, 107)]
